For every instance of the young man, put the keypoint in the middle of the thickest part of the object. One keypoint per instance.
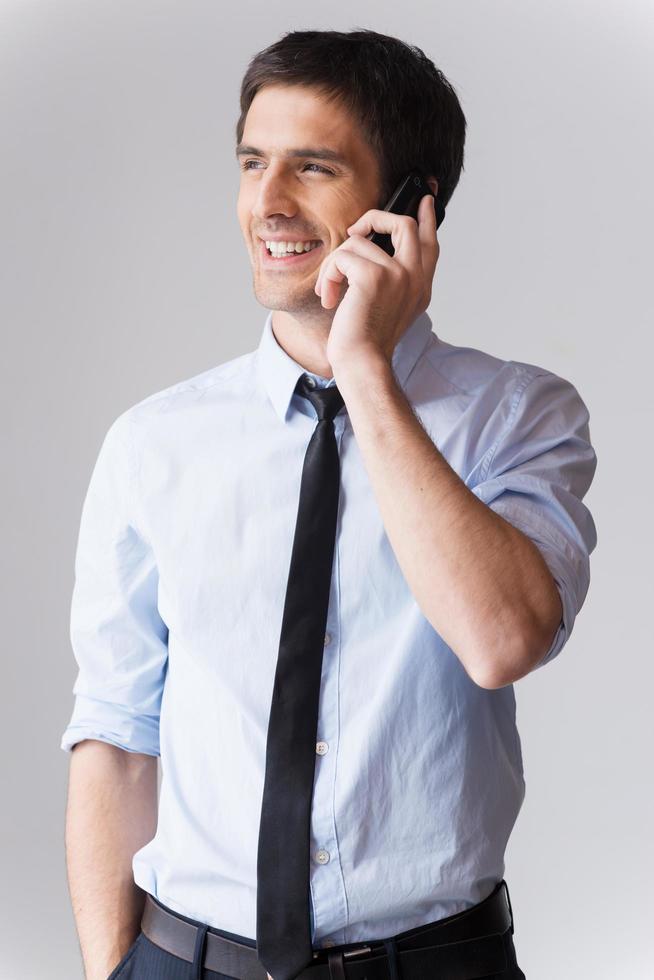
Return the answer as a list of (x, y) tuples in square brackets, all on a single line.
[(308, 578)]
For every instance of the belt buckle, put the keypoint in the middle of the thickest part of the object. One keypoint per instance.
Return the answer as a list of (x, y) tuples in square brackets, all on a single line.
[(358, 952), (349, 952)]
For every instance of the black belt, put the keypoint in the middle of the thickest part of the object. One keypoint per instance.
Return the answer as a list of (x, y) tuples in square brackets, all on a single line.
[(464, 946)]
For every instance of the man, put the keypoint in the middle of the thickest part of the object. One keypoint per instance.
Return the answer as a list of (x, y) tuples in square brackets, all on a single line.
[(457, 562)]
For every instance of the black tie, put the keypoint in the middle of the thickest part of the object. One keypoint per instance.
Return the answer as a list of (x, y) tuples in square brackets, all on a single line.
[(283, 911)]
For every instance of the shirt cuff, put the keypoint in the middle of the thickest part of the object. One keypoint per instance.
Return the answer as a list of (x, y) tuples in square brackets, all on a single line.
[(566, 567), (113, 723)]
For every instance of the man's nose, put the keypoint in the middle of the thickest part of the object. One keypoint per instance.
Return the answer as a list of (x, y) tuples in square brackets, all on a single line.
[(273, 197)]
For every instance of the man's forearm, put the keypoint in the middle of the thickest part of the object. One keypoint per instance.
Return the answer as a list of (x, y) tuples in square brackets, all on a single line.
[(111, 813), (481, 582)]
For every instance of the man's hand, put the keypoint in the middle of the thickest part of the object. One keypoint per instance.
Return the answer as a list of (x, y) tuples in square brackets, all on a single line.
[(383, 294)]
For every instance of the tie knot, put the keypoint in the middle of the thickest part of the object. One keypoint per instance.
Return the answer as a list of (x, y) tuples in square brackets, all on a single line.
[(326, 401)]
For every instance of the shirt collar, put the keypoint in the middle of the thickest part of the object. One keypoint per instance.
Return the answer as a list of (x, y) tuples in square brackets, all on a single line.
[(278, 373)]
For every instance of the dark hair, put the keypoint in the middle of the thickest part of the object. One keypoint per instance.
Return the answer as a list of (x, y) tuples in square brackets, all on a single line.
[(408, 111)]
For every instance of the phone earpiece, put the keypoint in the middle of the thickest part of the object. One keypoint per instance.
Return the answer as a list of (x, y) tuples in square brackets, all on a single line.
[(405, 199)]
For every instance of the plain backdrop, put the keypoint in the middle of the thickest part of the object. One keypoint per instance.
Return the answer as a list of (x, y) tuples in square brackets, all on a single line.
[(123, 270)]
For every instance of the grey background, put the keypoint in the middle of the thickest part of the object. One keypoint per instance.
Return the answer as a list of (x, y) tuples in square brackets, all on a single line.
[(123, 270)]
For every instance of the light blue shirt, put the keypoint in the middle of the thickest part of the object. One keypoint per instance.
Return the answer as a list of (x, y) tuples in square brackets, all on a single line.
[(180, 575)]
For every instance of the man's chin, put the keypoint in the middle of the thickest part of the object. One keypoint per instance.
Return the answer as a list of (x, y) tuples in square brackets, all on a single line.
[(289, 300)]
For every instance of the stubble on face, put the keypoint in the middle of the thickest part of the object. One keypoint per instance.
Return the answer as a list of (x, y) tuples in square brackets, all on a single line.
[(284, 291)]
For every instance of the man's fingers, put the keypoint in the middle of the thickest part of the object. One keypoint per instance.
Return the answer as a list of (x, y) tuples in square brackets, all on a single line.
[(341, 264), (427, 234), (401, 227)]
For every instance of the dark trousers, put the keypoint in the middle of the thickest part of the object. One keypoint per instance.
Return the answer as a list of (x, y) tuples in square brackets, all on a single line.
[(146, 961)]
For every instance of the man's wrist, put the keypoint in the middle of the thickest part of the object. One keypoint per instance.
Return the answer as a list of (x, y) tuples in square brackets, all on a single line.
[(104, 965)]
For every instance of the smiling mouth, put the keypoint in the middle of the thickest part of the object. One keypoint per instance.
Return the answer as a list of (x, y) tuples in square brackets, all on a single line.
[(289, 259)]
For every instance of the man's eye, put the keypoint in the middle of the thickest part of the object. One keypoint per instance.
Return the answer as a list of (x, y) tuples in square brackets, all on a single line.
[(322, 169)]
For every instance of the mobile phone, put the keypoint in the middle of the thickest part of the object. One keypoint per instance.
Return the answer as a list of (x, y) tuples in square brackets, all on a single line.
[(405, 200)]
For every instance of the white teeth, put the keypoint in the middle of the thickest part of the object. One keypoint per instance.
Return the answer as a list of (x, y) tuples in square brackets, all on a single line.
[(283, 248)]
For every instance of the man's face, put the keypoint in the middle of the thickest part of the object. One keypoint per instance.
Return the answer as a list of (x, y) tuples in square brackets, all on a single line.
[(300, 198)]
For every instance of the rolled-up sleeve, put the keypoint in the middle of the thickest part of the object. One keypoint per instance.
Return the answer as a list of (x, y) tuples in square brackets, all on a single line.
[(118, 638), (536, 475)]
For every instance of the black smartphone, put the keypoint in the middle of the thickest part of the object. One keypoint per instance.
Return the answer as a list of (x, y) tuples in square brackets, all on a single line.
[(405, 200)]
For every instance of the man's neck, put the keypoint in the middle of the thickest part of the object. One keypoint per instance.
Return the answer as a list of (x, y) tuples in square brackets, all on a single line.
[(304, 339)]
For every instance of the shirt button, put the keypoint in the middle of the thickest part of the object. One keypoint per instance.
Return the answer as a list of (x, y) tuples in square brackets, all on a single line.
[(322, 856), (321, 747), (328, 638)]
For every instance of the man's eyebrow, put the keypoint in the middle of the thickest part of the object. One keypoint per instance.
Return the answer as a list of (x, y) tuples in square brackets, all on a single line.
[(320, 153)]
